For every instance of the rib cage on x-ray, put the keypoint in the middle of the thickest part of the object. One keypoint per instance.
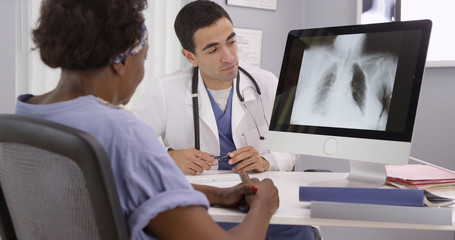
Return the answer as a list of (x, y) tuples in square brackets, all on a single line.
[(341, 85)]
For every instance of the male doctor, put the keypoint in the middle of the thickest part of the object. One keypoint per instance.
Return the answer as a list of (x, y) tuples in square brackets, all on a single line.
[(229, 128)]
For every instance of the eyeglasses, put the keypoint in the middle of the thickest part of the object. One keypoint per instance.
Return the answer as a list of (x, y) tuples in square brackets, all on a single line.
[(220, 160)]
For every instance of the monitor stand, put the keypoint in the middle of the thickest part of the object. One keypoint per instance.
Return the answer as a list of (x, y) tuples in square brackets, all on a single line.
[(362, 174)]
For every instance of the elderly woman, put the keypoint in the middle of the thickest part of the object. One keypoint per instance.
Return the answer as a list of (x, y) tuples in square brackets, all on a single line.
[(101, 46)]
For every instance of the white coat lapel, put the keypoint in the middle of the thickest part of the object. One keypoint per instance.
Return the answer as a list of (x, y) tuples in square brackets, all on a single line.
[(205, 108)]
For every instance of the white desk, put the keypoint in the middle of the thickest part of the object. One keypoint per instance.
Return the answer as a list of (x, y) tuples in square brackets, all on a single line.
[(294, 212)]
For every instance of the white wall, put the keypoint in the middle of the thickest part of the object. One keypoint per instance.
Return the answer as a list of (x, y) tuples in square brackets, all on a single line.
[(7, 56), (275, 25), (434, 129)]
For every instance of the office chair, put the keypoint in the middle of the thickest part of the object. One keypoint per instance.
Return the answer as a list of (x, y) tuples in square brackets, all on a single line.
[(55, 183)]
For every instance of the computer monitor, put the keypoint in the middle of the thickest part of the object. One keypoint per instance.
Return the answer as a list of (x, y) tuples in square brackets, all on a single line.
[(351, 92)]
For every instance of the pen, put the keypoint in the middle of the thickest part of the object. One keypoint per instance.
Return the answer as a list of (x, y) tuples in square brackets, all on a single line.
[(243, 209), (220, 159)]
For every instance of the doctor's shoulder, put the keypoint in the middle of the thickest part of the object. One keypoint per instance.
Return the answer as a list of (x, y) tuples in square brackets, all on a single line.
[(266, 80), (260, 74), (181, 75)]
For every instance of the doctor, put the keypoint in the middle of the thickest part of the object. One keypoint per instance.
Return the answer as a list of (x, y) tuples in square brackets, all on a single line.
[(226, 125)]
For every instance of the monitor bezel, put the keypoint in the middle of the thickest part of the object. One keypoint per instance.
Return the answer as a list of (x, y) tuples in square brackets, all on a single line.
[(285, 93)]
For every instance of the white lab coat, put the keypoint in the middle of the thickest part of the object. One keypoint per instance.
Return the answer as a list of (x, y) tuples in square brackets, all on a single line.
[(166, 106)]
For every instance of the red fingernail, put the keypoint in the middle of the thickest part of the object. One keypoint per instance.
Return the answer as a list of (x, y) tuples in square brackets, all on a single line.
[(254, 188)]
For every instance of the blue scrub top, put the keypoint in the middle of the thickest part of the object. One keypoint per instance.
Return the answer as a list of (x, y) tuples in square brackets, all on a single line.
[(223, 121)]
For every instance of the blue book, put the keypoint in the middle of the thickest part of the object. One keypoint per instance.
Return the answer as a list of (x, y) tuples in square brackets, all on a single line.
[(384, 196)]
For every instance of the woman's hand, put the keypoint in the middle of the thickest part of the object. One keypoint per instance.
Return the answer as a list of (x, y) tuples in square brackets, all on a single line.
[(265, 198), (229, 197)]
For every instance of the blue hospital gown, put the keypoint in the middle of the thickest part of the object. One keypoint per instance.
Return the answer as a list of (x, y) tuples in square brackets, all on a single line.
[(147, 179)]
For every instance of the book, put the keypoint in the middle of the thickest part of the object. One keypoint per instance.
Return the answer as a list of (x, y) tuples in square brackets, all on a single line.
[(383, 196), (420, 176), (383, 213)]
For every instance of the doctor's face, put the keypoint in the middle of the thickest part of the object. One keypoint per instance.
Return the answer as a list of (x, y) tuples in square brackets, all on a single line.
[(215, 52)]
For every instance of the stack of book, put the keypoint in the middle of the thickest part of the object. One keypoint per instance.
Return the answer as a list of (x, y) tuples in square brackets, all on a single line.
[(378, 204)]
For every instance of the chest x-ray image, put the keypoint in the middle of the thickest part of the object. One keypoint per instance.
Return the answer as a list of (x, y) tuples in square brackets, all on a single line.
[(346, 81), (377, 11)]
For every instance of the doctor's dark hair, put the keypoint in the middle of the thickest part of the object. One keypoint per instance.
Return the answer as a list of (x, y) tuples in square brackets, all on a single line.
[(87, 34), (196, 15)]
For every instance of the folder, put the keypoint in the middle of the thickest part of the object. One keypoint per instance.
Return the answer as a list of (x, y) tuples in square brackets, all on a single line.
[(419, 176), (383, 196)]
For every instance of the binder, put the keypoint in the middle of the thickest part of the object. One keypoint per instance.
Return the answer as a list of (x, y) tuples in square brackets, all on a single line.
[(383, 196), (382, 213)]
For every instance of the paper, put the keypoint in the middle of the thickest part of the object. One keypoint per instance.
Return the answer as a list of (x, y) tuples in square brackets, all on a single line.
[(264, 4), (249, 42)]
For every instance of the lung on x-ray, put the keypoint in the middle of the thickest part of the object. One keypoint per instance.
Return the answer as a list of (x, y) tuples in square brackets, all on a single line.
[(347, 80)]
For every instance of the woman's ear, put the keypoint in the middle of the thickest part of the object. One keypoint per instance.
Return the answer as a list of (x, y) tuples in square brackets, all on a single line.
[(119, 68), (190, 57)]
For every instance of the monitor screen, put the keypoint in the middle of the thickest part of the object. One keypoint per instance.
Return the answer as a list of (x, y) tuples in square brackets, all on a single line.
[(351, 92)]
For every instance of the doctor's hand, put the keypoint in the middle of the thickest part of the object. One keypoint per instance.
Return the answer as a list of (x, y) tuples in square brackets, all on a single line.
[(247, 159), (191, 160)]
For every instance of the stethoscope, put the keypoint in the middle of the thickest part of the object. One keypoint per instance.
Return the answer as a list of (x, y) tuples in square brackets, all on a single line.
[(194, 96)]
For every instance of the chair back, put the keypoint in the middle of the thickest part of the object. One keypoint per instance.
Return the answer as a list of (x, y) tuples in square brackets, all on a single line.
[(55, 183)]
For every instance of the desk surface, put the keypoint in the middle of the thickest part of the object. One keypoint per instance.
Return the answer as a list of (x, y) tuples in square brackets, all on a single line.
[(294, 212)]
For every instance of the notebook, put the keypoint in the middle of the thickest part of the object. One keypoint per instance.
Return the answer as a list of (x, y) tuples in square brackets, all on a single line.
[(213, 176)]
